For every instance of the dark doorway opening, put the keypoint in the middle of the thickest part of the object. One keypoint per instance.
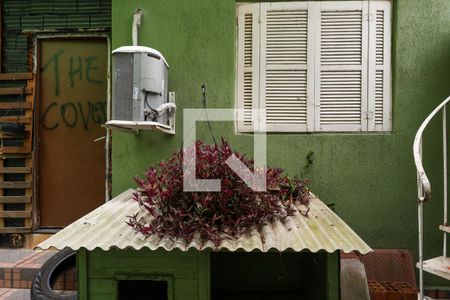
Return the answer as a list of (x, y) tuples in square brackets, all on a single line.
[(143, 289), (268, 276)]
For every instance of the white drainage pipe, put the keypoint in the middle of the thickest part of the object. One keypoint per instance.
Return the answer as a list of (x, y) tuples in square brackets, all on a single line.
[(136, 24)]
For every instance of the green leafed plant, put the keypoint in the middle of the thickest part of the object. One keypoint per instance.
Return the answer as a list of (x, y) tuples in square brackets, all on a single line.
[(212, 216)]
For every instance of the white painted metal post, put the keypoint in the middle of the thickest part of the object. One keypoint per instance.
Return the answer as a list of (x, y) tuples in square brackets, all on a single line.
[(420, 213), (135, 27), (444, 149), (423, 183)]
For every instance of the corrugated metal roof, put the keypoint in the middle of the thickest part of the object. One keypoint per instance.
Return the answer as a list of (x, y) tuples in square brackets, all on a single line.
[(105, 228)]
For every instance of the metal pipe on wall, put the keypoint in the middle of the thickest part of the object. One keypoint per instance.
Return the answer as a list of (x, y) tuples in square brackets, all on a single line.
[(108, 131), (136, 24)]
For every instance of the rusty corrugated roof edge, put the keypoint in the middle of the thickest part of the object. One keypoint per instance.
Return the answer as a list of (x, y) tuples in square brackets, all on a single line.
[(105, 229)]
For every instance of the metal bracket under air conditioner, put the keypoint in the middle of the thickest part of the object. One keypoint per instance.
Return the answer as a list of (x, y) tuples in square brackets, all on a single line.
[(135, 126)]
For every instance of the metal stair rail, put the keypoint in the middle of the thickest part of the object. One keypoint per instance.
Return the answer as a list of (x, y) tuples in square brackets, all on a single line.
[(424, 194)]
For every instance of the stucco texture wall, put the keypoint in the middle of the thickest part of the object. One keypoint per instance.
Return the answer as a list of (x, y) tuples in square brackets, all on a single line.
[(369, 177)]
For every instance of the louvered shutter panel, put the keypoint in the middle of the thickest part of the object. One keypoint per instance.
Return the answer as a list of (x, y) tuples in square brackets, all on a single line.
[(341, 67), (247, 65), (284, 67), (379, 104)]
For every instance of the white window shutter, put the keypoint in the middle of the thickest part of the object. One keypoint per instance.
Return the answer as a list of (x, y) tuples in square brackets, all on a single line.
[(284, 85), (247, 79), (341, 66), (379, 66)]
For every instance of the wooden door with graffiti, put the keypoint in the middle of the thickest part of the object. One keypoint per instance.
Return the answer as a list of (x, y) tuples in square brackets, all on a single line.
[(72, 108)]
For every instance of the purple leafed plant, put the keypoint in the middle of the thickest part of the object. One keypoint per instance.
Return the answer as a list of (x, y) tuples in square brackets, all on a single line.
[(212, 216)]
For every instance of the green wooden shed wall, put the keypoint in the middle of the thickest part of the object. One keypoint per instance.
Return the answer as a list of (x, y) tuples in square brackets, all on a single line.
[(189, 273), (99, 271)]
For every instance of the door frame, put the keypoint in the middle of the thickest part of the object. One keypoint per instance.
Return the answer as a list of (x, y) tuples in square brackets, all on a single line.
[(37, 38)]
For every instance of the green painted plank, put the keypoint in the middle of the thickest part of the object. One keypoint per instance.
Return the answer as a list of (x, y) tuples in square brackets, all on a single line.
[(78, 21), (106, 6), (11, 22), (106, 272), (137, 261), (103, 296), (21, 42), (82, 267), (15, 56), (42, 7), (89, 6), (63, 7), (180, 267), (160, 253), (22, 68), (12, 68), (204, 271), (101, 286), (9, 42), (32, 22), (180, 264), (101, 21), (8, 68), (186, 289), (55, 22), (333, 278), (16, 7)]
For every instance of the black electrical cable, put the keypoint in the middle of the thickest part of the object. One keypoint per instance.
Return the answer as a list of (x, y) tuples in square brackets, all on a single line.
[(155, 114), (204, 111)]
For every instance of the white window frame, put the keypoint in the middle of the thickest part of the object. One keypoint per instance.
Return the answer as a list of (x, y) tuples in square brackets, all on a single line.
[(369, 67)]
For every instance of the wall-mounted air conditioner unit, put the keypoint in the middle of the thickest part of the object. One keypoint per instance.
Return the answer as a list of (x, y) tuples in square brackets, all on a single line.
[(140, 98)]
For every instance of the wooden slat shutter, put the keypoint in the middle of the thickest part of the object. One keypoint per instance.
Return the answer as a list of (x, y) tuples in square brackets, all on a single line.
[(247, 80), (315, 66), (379, 105), (284, 84), (341, 67)]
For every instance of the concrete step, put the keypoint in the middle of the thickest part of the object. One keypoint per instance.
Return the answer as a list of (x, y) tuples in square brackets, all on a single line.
[(19, 266), (22, 294), (14, 294), (439, 266)]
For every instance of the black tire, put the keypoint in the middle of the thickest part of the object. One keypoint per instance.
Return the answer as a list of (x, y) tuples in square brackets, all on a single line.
[(41, 288)]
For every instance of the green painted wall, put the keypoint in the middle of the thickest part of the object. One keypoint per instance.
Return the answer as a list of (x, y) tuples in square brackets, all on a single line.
[(46, 15), (100, 270), (370, 177)]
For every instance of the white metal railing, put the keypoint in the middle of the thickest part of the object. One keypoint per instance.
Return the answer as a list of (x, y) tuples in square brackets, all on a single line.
[(423, 184)]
